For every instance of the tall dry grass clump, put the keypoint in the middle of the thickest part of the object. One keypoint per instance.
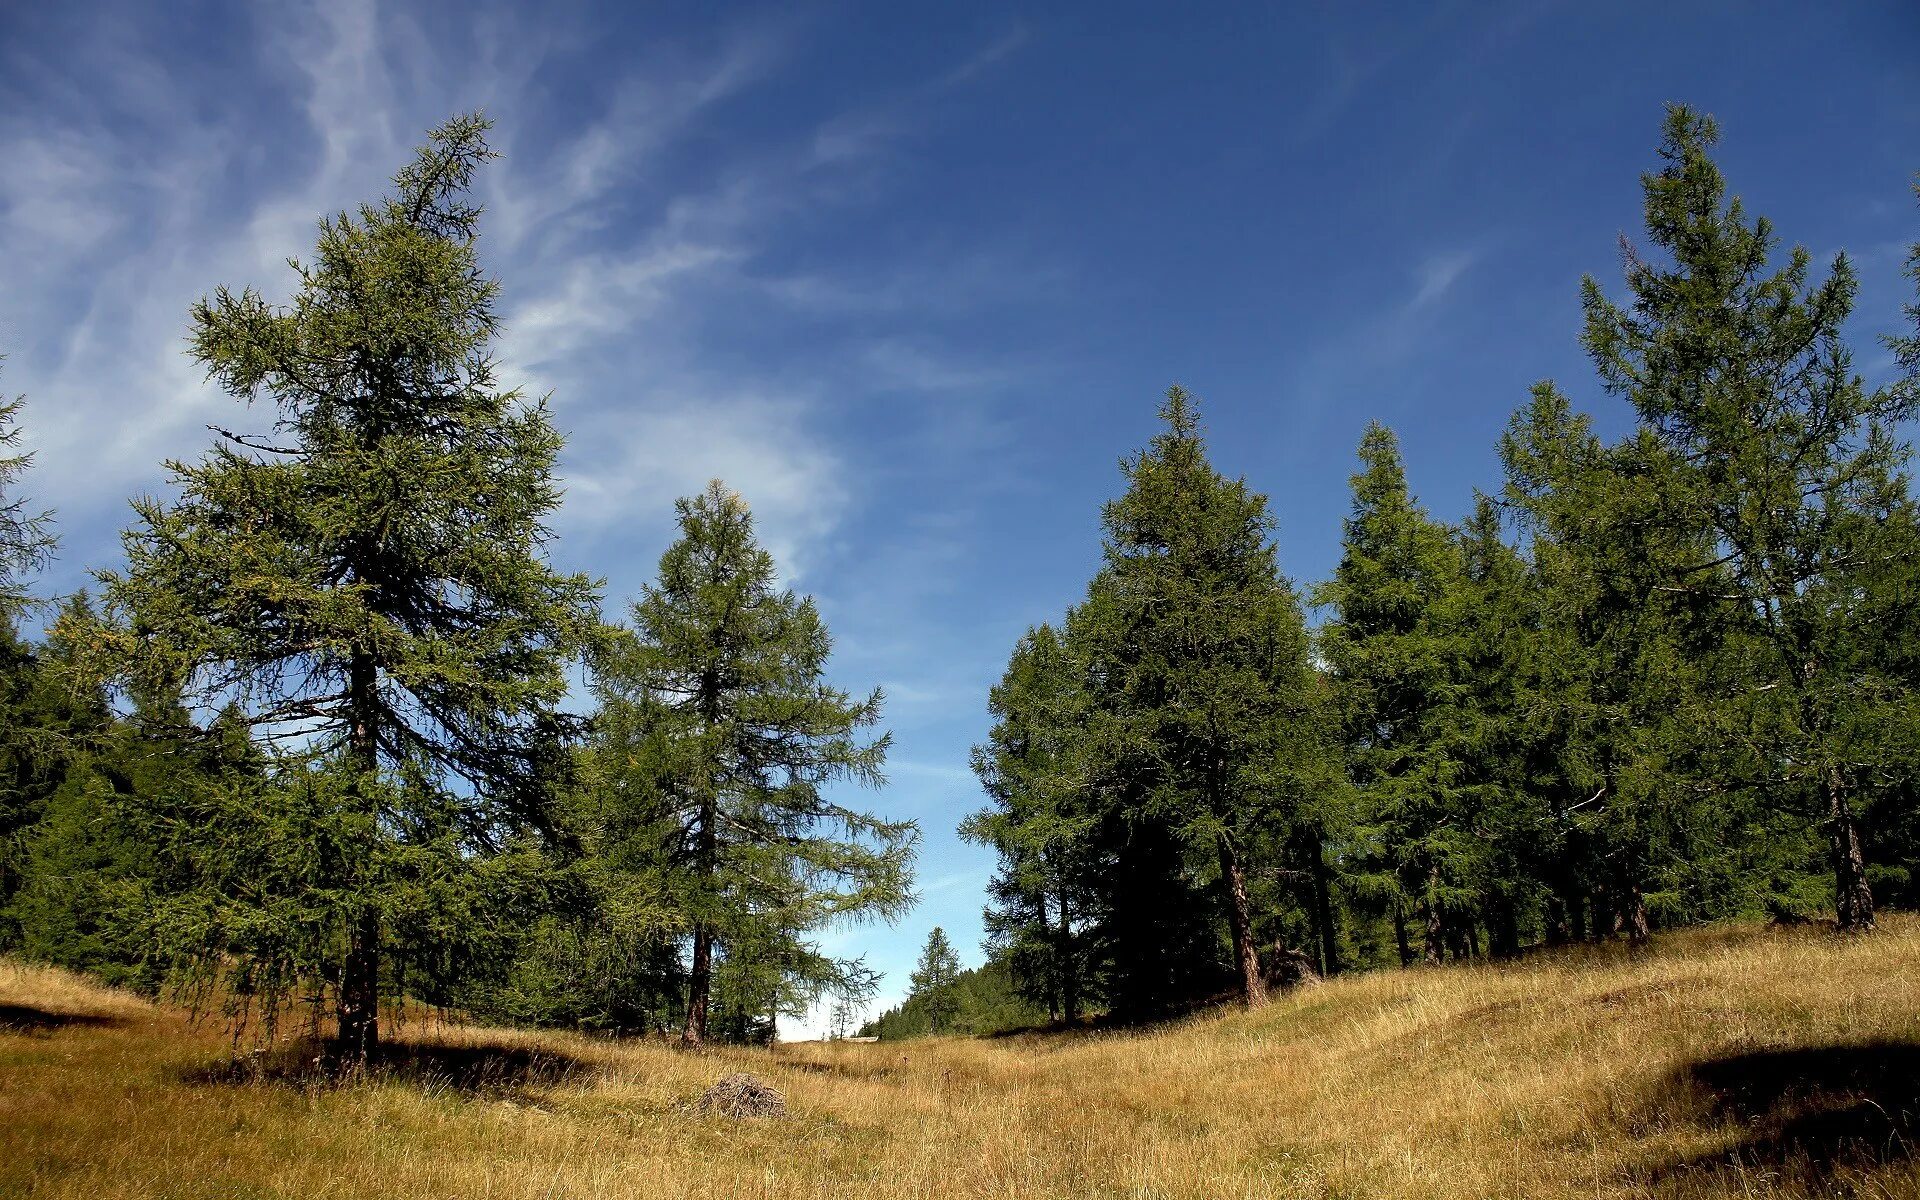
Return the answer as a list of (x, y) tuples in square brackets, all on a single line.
[(1739, 1061)]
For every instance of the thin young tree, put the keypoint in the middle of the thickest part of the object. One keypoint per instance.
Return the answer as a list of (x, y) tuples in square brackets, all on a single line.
[(1738, 370), (366, 588), (719, 731), (933, 981)]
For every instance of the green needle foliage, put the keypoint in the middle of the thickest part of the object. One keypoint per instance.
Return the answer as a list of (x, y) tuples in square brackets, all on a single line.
[(1203, 701), (1391, 650), (718, 738), (365, 590), (934, 979), (1044, 900), (1757, 430), (26, 538), (1156, 770)]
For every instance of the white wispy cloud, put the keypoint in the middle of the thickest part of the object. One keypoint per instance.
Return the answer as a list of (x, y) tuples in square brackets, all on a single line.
[(1438, 273)]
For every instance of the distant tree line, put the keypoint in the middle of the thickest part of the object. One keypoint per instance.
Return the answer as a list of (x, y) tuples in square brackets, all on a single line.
[(945, 998), (309, 749), (1643, 683)]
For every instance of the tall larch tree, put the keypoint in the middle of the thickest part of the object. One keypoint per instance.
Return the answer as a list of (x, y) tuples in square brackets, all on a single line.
[(366, 588), (1205, 697), (1393, 657), (719, 730), (1738, 369)]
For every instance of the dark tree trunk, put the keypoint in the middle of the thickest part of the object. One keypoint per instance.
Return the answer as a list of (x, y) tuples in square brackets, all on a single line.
[(1069, 967), (360, 991), (1329, 935), (1854, 899), (699, 988), (1246, 955), (1634, 915), (359, 1008), (1434, 947), (1559, 924), (1503, 931), (1400, 933)]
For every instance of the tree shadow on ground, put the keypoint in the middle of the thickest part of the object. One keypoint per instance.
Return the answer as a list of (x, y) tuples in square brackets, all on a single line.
[(27, 1019), (1815, 1113), (468, 1070)]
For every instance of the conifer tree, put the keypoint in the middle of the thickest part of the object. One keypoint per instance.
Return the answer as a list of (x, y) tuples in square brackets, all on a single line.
[(1045, 894), (934, 978), (364, 588), (1489, 727), (719, 734), (1392, 652), (1204, 707), (1767, 439), (26, 538)]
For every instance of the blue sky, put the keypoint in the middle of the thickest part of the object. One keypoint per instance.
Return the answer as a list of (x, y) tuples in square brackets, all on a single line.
[(913, 277)]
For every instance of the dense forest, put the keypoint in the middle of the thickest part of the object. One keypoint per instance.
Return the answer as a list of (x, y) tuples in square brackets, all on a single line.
[(312, 747)]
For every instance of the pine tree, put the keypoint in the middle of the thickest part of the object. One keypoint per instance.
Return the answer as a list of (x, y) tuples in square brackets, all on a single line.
[(934, 978), (365, 588), (1768, 440), (718, 735), (1204, 706)]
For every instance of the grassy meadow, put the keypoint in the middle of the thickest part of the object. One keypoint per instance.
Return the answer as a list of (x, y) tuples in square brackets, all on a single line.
[(1731, 1061)]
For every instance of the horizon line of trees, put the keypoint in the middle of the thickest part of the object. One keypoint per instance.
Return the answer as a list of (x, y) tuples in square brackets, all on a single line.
[(1644, 683)]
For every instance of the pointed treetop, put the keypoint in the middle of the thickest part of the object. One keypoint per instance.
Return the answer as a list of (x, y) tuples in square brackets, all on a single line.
[(429, 190), (1181, 414)]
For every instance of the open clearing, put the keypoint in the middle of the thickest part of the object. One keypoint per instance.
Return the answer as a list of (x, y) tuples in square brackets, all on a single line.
[(1729, 1061)]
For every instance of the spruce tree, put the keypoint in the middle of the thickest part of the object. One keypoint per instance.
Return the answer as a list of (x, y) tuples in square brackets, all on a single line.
[(365, 588), (1767, 439), (933, 981), (718, 736)]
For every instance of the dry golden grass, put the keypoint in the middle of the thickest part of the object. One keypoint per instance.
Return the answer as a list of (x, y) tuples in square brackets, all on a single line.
[(1728, 1062)]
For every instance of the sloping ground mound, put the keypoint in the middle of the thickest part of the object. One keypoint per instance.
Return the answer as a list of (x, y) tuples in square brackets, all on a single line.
[(741, 1095), (1735, 1061)]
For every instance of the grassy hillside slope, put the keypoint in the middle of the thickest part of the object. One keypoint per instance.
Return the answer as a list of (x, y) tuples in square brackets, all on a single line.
[(1734, 1061)]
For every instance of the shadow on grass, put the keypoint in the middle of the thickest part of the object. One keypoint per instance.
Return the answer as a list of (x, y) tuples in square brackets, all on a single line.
[(469, 1070), (1812, 1113), (27, 1019)]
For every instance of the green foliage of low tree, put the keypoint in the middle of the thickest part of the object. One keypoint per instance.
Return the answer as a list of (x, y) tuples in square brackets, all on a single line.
[(987, 1000), (718, 738)]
